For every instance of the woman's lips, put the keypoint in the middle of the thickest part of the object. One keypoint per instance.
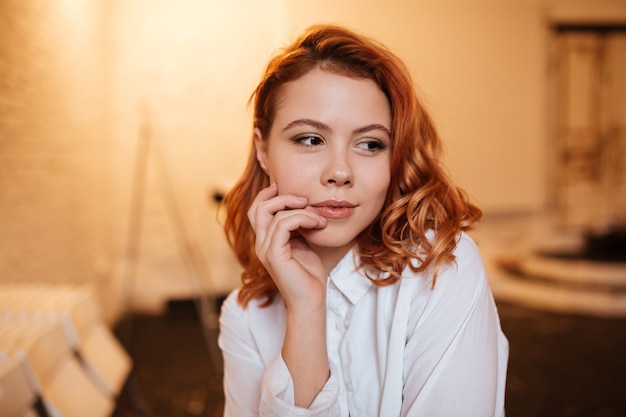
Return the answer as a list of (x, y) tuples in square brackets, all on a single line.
[(335, 210)]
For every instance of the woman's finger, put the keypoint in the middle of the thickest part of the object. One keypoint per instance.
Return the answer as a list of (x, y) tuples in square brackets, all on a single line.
[(267, 204), (279, 231), (264, 195)]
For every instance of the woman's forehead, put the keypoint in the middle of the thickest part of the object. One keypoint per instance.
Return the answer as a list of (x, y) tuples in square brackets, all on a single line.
[(327, 96)]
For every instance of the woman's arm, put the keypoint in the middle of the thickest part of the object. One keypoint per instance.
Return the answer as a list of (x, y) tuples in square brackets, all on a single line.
[(301, 279), (257, 381), (304, 353)]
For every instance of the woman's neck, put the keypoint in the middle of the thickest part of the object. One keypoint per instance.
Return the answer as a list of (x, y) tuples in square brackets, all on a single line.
[(330, 256)]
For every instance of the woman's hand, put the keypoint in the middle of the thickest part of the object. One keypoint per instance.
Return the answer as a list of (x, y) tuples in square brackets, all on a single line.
[(301, 279), (295, 268)]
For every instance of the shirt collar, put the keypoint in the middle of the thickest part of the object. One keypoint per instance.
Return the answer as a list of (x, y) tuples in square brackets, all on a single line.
[(348, 279)]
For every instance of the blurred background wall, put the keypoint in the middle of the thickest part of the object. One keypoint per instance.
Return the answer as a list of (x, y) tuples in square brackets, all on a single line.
[(55, 142), (120, 119)]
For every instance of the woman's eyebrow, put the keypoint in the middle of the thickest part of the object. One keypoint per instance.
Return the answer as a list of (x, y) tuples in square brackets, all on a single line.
[(323, 126), (374, 126), (308, 122)]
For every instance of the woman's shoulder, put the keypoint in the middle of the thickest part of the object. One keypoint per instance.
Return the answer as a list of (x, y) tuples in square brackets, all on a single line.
[(466, 248), (467, 264), (467, 270), (460, 285)]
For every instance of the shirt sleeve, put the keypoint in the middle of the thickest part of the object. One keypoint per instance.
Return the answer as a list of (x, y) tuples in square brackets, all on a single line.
[(277, 398), (456, 353), (243, 365), (257, 387)]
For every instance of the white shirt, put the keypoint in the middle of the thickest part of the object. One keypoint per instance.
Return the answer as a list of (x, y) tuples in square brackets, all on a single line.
[(405, 349)]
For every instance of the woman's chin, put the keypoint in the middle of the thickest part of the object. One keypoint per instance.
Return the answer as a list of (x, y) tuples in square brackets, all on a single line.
[(324, 238)]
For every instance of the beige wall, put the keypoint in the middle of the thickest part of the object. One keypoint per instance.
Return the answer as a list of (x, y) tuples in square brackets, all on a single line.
[(80, 81), (190, 66), (53, 142), (185, 70), (480, 64)]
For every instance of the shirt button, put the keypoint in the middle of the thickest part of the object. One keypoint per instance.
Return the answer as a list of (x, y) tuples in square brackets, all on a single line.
[(349, 386)]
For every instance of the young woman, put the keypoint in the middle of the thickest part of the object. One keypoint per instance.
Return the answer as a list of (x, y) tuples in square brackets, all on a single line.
[(362, 294)]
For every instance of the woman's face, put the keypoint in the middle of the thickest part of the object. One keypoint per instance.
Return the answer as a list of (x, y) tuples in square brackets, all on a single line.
[(330, 142)]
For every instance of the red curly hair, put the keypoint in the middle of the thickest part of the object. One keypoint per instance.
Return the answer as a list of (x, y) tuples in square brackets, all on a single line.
[(420, 197)]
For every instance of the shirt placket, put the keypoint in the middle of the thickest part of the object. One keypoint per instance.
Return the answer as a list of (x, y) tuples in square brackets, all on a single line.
[(340, 310)]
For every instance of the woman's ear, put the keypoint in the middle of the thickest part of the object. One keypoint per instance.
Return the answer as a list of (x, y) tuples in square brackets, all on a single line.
[(260, 147)]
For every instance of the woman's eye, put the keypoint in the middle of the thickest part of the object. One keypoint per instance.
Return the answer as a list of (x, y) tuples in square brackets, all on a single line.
[(309, 140), (371, 145)]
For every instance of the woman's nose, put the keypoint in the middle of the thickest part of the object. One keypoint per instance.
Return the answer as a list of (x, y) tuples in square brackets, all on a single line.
[(338, 171)]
